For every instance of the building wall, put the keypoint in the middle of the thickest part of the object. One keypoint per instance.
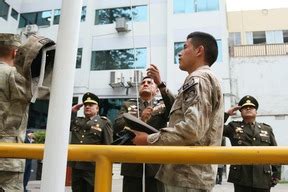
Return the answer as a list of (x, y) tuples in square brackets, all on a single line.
[(265, 78), (257, 20), (157, 34)]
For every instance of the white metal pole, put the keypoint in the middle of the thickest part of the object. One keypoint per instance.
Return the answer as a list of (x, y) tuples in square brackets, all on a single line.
[(57, 132)]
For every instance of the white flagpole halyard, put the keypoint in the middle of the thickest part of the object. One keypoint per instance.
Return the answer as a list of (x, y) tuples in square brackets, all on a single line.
[(57, 132)]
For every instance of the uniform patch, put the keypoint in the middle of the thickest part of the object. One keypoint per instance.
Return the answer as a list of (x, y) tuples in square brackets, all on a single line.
[(96, 127), (239, 130)]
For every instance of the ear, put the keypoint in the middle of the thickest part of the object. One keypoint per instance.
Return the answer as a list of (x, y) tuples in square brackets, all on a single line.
[(200, 50), (14, 53)]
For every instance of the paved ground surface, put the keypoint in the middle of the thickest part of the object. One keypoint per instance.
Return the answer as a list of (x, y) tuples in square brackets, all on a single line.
[(34, 186)]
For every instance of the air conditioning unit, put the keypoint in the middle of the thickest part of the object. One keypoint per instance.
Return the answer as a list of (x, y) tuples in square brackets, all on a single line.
[(135, 78), (30, 29), (121, 24), (116, 79)]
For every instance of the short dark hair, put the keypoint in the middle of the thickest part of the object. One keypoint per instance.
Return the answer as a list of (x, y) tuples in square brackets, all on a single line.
[(208, 42), (6, 50)]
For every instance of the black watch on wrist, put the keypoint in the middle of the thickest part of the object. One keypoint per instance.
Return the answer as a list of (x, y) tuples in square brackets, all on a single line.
[(161, 85)]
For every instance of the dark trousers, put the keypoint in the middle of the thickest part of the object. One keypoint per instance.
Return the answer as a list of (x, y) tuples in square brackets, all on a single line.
[(219, 175), (240, 188), (134, 184), (27, 173), (82, 180)]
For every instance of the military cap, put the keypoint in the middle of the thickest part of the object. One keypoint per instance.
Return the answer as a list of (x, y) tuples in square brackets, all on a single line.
[(248, 100), (9, 39), (90, 98)]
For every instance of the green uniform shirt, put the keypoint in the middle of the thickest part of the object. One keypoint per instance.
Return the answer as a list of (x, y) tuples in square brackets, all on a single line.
[(257, 134)]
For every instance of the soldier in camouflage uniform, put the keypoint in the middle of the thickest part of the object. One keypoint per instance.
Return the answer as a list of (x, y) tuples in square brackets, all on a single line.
[(155, 113), (248, 132), (92, 129), (196, 117), (13, 104), (15, 96)]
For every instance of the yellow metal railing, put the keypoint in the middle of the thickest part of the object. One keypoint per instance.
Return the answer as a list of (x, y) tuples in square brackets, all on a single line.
[(105, 155)]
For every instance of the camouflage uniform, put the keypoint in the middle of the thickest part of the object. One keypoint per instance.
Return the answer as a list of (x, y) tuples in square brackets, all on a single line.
[(157, 120), (196, 119), (97, 130), (15, 96), (13, 117)]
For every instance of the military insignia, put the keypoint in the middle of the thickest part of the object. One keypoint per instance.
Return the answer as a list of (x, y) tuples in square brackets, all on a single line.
[(159, 108), (239, 130), (96, 127), (132, 109), (263, 133)]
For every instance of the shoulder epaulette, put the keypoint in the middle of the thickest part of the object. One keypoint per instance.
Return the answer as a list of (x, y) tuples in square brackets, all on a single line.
[(266, 124), (104, 117)]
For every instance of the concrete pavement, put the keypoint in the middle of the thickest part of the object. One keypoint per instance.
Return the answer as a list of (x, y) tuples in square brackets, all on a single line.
[(34, 186)]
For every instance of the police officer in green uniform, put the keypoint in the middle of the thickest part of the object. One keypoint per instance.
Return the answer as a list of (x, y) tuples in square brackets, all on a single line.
[(248, 132), (155, 113), (92, 129)]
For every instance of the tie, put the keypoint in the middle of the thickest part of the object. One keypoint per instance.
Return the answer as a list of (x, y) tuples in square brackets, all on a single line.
[(145, 104)]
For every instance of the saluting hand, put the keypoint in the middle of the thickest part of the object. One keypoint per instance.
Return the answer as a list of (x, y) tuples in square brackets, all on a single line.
[(76, 107), (233, 110)]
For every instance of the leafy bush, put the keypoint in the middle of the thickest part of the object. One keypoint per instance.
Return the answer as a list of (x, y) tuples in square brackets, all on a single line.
[(39, 136)]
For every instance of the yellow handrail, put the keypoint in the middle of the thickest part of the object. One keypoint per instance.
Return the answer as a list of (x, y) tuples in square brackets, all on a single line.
[(105, 155)]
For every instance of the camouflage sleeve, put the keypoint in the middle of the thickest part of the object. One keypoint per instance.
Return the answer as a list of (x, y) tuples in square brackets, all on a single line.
[(192, 111), (18, 102), (18, 87)]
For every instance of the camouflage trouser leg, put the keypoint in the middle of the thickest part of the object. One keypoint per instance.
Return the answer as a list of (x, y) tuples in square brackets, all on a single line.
[(11, 181), (169, 188)]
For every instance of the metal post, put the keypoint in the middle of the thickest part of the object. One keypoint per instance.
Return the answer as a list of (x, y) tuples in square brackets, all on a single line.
[(57, 133), (103, 177)]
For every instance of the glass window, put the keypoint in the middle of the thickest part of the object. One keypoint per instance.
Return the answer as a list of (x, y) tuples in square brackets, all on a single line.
[(56, 18), (249, 37), (79, 58), (259, 37), (273, 37), (14, 14), (4, 9), (220, 54), (108, 16), (83, 13), (38, 112), (184, 6), (57, 13), (234, 38), (119, 59), (111, 107), (285, 36), (41, 18), (190, 6), (178, 46)]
